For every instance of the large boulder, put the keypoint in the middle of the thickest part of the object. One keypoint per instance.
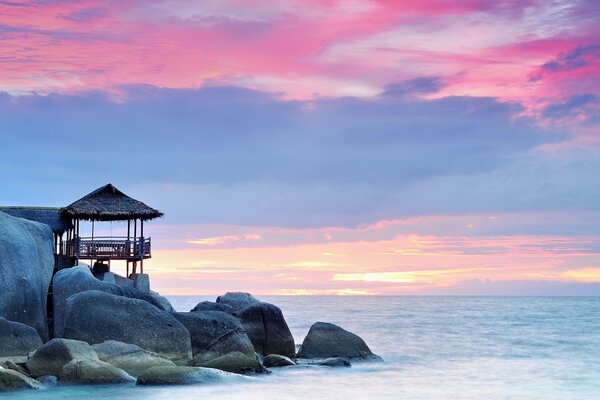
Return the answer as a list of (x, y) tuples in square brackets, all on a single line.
[(179, 376), (70, 281), (237, 300), (234, 362), (52, 357), (26, 265), (96, 317), (325, 340), (211, 306), (131, 358), (267, 329), (12, 380), (214, 334), (17, 340), (93, 372)]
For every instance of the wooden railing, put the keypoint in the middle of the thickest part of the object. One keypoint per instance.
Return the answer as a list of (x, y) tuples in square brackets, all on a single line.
[(114, 248)]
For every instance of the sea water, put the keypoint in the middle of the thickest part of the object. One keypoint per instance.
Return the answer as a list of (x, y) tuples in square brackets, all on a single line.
[(434, 348)]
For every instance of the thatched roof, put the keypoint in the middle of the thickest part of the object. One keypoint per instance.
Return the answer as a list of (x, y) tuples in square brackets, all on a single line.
[(46, 215), (109, 204)]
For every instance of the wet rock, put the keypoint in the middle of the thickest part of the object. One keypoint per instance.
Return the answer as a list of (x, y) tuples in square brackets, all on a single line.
[(277, 360), (12, 380), (237, 300), (235, 362), (26, 265), (17, 340), (179, 376), (93, 372), (214, 334), (267, 329), (48, 380), (131, 358), (52, 357), (335, 362), (325, 340), (96, 317), (15, 367)]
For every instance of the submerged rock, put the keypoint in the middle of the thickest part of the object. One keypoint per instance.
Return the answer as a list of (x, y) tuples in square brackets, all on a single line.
[(277, 360), (12, 380), (96, 317), (211, 306), (131, 358), (48, 380), (237, 300), (26, 265), (179, 376), (335, 362), (214, 334), (267, 329), (234, 362), (93, 372), (52, 357), (17, 340), (325, 340)]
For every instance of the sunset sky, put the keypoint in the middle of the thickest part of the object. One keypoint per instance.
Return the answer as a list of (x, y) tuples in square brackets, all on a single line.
[(319, 146)]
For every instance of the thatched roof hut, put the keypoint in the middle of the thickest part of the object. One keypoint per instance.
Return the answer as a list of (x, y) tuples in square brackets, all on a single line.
[(50, 216), (109, 204)]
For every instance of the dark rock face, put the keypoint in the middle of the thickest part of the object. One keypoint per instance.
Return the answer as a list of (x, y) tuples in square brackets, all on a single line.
[(17, 340), (267, 329), (131, 358), (210, 306), (26, 265), (52, 357), (237, 300), (70, 281), (335, 362), (276, 360), (12, 380), (179, 376), (214, 334), (96, 317), (235, 362), (93, 372), (325, 340)]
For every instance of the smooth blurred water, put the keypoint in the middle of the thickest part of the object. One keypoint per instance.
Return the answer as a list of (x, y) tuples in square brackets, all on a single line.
[(434, 348)]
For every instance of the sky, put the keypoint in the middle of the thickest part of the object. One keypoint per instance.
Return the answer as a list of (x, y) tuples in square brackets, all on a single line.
[(368, 147)]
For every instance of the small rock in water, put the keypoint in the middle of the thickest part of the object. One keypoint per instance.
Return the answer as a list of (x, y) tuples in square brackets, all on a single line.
[(48, 380), (325, 340), (179, 375), (235, 362), (335, 362), (277, 360)]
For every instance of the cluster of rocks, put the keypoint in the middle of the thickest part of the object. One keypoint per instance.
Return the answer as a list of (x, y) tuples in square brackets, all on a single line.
[(106, 332)]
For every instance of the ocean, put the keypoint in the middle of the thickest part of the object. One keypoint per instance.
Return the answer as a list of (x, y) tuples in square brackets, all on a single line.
[(434, 348)]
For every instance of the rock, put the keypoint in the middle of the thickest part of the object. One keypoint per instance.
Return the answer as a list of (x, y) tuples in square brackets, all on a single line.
[(335, 362), (277, 360), (26, 265), (237, 300), (17, 340), (12, 380), (93, 372), (164, 303), (179, 376), (96, 317), (52, 357), (267, 329), (214, 334), (141, 282), (131, 358), (70, 281), (210, 306), (11, 365), (48, 380), (325, 340), (235, 362)]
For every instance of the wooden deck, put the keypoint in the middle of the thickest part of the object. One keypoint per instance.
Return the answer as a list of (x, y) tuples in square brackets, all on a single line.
[(110, 248)]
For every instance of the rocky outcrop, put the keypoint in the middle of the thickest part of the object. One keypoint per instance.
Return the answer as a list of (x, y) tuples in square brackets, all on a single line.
[(277, 360), (179, 376), (235, 362), (70, 281), (17, 340), (131, 358), (211, 306), (237, 300), (214, 334), (325, 340), (93, 372), (96, 317), (267, 329), (12, 380), (52, 357), (26, 265)]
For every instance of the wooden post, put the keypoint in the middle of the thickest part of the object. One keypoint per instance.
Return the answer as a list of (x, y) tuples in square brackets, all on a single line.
[(143, 248), (134, 270)]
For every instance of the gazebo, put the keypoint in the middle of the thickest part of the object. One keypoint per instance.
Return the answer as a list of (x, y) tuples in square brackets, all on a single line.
[(110, 204)]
